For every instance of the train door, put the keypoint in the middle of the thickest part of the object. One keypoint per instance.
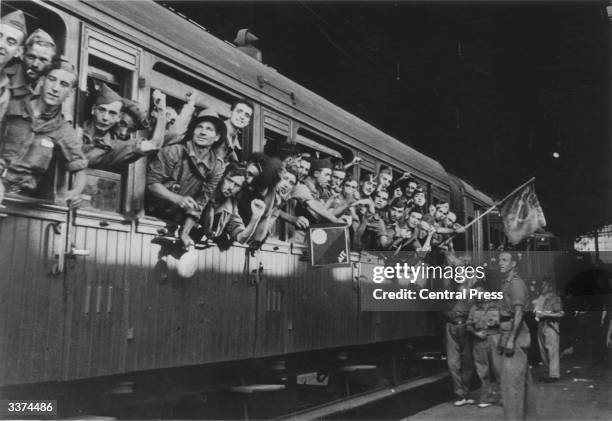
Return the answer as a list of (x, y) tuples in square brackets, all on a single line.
[(32, 240), (99, 234)]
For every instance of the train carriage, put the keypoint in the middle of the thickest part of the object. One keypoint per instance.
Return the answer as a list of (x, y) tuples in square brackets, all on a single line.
[(86, 294)]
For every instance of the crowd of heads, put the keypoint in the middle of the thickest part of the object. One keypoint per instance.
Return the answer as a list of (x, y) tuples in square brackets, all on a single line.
[(198, 174)]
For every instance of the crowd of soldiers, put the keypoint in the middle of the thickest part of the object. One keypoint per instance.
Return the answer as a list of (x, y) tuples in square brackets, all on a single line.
[(198, 175), (491, 339)]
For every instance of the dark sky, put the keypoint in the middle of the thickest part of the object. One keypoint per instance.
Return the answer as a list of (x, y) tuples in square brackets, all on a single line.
[(490, 90)]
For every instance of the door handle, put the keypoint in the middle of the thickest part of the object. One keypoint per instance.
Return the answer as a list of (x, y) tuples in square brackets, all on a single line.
[(75, 252), (257, 275)]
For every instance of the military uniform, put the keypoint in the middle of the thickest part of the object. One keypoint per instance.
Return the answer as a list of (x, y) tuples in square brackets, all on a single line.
[(459, 347), (29, 143), (548, 332), (108, 151), (484, 317), (178, 168), (516, 384), (5, 94)]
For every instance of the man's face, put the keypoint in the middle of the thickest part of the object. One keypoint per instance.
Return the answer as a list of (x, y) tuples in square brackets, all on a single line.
[(450, 220), (381, 198), (368, 187), (395, 214), (303, 169), (37, 59), (57, 86), (506, 264), (410, 188), (439, 215), (252, 172), (397, 192), (323, 176), (432, 210), (125, 126), (337, 178), (241, 116), (205, 134), (232, 185), (546, 288), (419, 199), (286, 184), (414, 219), (106, 115), (11, 39), (384, 180), (349, 188)]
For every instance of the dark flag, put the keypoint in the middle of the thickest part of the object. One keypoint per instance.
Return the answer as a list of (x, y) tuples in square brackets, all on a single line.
[(522, 213)]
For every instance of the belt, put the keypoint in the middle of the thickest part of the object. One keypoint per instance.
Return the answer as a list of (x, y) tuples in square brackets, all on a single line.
[(506, 318), (457, 322)]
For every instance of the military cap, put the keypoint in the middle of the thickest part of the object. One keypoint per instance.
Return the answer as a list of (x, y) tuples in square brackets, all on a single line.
[(220, 127), (106, 95), (208, 112), (40, 36), (15, 19), (132, 108), (385, 170), (319, 164), (63, 63)]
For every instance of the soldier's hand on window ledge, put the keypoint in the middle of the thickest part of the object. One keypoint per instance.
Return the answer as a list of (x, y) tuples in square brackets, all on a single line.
[(302, 222), (71, 198)]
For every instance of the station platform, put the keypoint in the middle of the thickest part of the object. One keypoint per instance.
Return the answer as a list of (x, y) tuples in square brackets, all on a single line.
[(583, 393)]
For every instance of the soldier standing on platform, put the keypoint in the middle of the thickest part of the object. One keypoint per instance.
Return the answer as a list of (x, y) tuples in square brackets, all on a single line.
[(483, 323), (548, 311), (459, 342), (516, 384)]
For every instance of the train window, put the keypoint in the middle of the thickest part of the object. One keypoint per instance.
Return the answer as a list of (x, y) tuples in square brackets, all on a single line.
[(110, 61), (39, 16), (320, 147), (274, 143), (470, 235), (177, 84)]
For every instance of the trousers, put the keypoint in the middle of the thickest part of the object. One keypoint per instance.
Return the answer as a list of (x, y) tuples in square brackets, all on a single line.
[(459, 358), (548, 341), (488, 366), (516, 385)]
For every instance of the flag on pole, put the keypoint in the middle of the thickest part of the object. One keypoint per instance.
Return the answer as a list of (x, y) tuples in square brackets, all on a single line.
[(522, 213)]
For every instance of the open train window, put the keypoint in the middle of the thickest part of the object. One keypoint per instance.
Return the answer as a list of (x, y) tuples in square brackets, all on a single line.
[(39, 16), (113, 62), (276, 129), (177, 85), (320, 147)]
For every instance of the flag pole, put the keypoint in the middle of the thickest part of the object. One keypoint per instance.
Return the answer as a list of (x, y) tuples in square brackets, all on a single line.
[(491, 208), (499, 202)]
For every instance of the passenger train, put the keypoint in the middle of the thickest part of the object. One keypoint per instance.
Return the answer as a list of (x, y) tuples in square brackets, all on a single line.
[(85, 294)]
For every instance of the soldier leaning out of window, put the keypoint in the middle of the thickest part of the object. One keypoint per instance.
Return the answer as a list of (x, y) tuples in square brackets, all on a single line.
[(183, 177), (104, 148), (12, 33), (221, 221), (34, 129)]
